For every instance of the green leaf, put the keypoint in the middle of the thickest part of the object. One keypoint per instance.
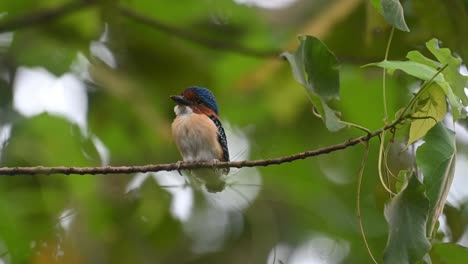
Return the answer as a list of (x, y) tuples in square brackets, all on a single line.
[(430, 108), (451, 73), (449, 253), (321, 68), (393, 13), (412, 68), (425, 73), (436, 158), (406, 216), (316, 68), (416, 56)]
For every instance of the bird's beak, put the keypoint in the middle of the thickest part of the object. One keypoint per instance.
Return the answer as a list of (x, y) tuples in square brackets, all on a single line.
[(179, 99)]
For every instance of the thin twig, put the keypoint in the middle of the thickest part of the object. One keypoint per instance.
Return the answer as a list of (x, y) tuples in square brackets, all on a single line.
[(192, 165), (42, 16), (48, 15), (216, 44), (387, 168)]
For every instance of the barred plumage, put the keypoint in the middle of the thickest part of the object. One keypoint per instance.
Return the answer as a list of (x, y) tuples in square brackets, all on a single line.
[(221, 137)]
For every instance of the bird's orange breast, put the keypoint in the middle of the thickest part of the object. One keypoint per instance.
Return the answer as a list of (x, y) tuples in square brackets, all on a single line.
[(196, 137)]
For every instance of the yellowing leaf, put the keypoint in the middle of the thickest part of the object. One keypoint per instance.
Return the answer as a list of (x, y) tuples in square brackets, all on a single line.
[(430, 108)]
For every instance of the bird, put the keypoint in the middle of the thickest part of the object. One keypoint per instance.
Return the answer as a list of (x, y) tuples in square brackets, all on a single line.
[(197, 130)]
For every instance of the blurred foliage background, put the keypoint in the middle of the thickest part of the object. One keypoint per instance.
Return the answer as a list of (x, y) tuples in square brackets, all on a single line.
[(87, 83)]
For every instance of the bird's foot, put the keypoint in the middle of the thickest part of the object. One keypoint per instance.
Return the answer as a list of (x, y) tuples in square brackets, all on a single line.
[(178, 163), (219, 170)]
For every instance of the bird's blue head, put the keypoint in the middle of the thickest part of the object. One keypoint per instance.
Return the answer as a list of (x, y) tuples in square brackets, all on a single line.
[(197, 96)]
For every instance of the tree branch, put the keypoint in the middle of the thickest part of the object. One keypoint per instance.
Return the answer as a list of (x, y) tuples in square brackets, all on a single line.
[(43, 16), (48, 15), (181, 33), (192, 165)]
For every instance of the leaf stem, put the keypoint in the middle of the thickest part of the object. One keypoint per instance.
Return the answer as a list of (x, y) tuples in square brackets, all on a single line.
[(356, 126), (314, 111), (381, 176), (382, 137), (387, 168), (358, 201), (384, 74)]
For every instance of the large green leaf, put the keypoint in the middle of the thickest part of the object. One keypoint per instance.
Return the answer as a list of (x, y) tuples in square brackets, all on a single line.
[(436, 158), (316, 68), (449, 254), (430, 108), (393, 13), (426, 73), (406, 215), (451, 73)]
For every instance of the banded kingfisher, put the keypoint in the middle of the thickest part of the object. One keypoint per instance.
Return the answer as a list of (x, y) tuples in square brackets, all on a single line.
[(197, 131)]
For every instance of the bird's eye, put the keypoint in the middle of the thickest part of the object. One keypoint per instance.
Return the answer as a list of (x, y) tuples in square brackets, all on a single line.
[(199, 101)]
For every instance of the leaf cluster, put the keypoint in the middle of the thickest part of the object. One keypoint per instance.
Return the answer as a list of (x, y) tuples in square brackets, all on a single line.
[(412, 214)]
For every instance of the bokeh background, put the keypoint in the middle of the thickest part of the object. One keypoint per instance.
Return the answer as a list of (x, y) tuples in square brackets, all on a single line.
[(87, 83)]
